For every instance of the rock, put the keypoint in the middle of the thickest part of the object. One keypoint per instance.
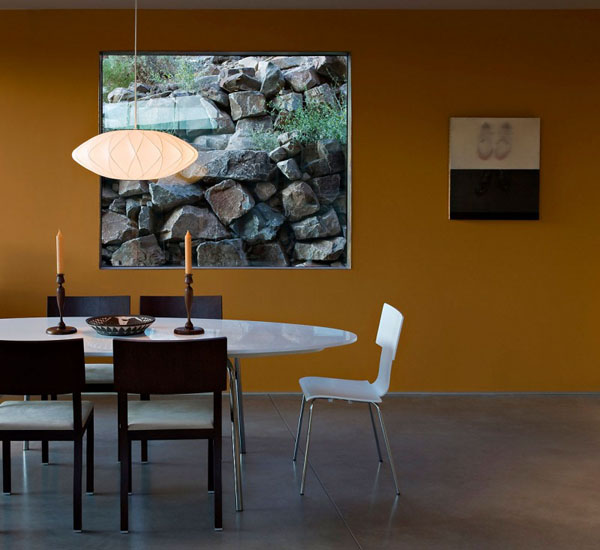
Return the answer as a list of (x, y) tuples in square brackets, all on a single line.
[(271, 78), (344, 92), (290, 169), (200, 222), (322, 250), (286, 137), (318, 167), (292, 147), (239, 165), (141, 88), (209, 88), (317, 227), (299, 201), (302, 79), (321, 94), (132, 209), (341, 204), (141, 252), (277, 155), (146, 221), (239, 82), (326, 188), (333, 152), (120, 94), (226, 253), (242, 142), (267, 255), (259, 224), (117, 228), (166, 197), (334, 67), (229, 200), (130, 188), (118, 205), (247, 104), (288, 61), (107, 195), (290, 101), (175, 179), (175, 254), (209, 143), (264, 190), (250, 62), (309, 153), (250, 126), (226, 72)]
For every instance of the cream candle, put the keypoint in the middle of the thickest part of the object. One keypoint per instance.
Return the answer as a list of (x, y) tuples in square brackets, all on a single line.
[(188, 253), (59, 252)]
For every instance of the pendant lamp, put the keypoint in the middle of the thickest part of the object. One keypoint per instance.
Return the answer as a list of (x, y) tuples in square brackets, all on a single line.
[(135, 154)]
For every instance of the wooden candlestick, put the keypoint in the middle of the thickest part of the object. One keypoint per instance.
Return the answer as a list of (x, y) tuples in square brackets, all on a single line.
[(189, 327), (61, 328)]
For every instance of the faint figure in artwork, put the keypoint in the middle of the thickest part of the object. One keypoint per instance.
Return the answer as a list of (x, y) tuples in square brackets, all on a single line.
[(490, 142), (485, 147)]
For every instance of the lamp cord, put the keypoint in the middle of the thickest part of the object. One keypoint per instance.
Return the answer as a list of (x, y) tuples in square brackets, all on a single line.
[(135, 113)]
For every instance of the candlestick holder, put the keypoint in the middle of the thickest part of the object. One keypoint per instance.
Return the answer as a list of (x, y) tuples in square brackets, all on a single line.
[(61, 328), (189, 327)]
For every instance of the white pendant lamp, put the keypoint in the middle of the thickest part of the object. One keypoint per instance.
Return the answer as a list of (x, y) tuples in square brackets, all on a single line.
[(135, 154)]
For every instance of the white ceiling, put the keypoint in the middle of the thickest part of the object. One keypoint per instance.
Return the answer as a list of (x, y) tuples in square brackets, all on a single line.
[(299, 4)]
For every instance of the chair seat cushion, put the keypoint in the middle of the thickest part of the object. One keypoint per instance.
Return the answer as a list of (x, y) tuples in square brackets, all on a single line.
[(99, 373), (41, 415), (170, 414), (316, 387)]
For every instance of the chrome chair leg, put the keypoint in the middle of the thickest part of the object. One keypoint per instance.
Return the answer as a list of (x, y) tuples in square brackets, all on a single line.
[(310, 413), (235, 441), (299, 428), (375, 432), (389, 450), (240, 401)]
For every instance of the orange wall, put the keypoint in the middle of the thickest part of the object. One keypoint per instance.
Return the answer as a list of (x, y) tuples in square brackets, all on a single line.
[(490, 305)]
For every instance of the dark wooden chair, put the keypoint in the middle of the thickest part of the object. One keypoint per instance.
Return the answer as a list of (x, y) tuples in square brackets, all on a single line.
[(41, 368), (192, 366), (98, 376), (203, 307)]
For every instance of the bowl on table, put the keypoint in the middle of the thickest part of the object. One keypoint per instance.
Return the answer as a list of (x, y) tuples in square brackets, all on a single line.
[(120, 325)]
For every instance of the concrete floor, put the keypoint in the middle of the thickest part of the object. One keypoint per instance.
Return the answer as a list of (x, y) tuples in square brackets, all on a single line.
[(475, 472)]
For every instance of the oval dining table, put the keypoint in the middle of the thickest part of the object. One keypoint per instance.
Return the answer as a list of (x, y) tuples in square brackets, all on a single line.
[(244, 339)]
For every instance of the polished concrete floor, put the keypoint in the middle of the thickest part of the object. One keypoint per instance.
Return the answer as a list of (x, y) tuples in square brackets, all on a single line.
[(481, 472)]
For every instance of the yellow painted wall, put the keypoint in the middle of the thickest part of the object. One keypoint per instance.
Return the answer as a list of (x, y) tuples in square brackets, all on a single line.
[(489, 305)]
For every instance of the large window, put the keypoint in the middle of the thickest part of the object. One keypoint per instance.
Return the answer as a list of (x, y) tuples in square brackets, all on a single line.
[(271, 186)]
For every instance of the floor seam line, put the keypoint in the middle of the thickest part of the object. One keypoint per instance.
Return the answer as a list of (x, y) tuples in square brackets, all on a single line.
[(329, 497)]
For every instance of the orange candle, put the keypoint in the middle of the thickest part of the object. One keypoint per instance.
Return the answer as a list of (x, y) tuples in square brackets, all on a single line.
[(59, 252), (188, 253)]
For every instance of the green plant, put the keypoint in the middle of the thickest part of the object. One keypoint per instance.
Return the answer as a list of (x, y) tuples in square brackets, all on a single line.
[(265, 140), (315, 121)]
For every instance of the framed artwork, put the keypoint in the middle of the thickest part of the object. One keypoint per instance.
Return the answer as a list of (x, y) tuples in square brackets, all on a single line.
[(494, 168), (271, 185)]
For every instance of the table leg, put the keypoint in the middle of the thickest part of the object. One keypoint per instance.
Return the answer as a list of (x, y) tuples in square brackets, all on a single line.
[(235, 438), (240, 399), (26, 443)]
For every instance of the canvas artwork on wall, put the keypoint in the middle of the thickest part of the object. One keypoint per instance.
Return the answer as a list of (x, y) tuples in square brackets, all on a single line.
[(494, 168), (271, 185)]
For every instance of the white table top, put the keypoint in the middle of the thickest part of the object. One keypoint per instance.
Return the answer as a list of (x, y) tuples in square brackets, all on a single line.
[(244, 338)]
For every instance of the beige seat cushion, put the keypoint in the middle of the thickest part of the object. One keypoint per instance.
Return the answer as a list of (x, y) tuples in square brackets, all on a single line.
[(99, 373), (168, 414), (40, 415)]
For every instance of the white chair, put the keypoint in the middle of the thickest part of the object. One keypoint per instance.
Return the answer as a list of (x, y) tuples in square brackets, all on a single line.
[(315, 387)]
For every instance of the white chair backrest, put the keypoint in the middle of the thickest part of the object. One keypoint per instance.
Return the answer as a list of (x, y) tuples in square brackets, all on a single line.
[(390, 326)]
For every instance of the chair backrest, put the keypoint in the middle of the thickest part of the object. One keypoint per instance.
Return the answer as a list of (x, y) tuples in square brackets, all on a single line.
[(168, 367), (388, 334), (90, 306), (203, 307), (42, 367)]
